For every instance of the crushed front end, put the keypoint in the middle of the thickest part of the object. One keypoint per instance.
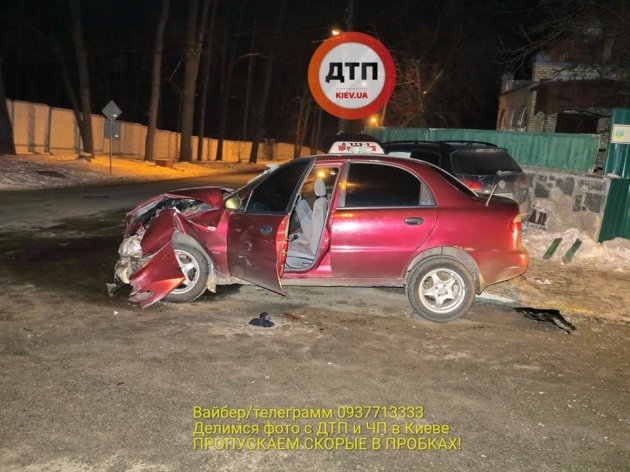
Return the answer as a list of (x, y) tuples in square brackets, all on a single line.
[(151, 258)]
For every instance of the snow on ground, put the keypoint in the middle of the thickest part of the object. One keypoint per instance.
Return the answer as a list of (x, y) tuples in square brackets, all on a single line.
[(47, 171), (612, 255)]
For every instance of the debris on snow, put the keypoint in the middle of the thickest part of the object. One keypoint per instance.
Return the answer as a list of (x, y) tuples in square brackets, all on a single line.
[(542, 281), (612, 255)]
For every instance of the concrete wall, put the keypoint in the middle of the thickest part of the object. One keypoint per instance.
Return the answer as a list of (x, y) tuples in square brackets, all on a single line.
[(38, 128), (64, 134), (568, 200)]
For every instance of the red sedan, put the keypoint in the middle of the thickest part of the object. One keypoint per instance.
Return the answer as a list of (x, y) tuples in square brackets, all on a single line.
[(333, 220)]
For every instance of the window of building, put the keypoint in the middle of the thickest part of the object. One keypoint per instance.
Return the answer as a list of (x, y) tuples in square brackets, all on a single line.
[(576, 123), (521, 124), (501, 121)]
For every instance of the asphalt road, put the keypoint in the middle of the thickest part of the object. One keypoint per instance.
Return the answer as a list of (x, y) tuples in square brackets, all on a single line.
[(94, 383), (31, 209)]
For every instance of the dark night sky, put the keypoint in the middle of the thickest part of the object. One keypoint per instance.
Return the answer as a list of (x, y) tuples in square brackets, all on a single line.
[(119, 38)]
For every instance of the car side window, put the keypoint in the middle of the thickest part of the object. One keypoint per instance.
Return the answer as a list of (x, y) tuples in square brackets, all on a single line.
[(275, 193), (376, 185)]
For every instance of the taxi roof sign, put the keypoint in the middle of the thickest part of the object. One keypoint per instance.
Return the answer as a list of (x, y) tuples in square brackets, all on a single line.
[(355, 147)]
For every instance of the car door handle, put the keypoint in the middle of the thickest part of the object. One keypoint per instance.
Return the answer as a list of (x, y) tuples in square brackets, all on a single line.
[(266, 230), (414, 220)]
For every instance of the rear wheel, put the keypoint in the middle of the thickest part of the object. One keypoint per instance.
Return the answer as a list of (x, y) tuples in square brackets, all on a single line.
[(440, 289), (194, 266)]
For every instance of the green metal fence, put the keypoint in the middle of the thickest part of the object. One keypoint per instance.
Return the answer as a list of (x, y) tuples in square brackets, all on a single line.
[(616, 221), (618, 154), (563, 151)]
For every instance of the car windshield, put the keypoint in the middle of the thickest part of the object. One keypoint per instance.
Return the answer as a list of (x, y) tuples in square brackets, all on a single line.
[(271, 173), (483, 162), (251, 183)]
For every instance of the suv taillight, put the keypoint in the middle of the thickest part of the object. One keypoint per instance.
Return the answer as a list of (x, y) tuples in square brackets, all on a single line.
[(523, 181), (472, 184)]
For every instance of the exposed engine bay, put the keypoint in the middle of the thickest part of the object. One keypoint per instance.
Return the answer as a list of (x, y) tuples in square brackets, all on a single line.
[(152, 245)]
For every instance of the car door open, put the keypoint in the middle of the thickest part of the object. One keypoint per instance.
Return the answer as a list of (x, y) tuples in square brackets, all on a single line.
[(257, 232)]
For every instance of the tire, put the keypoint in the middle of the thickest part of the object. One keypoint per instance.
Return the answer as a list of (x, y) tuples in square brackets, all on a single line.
[(440, 289), (194, 266)]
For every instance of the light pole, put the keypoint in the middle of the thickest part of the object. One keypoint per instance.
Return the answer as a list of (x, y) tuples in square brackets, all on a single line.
[(343, 124)]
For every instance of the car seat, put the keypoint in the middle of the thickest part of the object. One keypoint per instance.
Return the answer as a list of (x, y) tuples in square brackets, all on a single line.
[(301, 252)]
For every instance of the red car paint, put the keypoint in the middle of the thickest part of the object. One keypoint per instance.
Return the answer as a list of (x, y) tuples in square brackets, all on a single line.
[(362, 245)]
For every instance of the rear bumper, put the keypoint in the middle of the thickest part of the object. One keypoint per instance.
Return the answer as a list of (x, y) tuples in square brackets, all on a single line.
[(499, 266)]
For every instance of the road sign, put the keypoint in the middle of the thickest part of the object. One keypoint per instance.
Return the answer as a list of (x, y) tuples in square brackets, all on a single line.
[(111, 111), (351, 75), (112, 129)]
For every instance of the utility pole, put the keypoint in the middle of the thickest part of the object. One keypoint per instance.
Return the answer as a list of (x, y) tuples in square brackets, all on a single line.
[(350, 14), (345, 125)]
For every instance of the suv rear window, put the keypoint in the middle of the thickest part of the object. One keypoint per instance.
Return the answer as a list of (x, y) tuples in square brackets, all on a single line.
[(483, 162), (454, 182)]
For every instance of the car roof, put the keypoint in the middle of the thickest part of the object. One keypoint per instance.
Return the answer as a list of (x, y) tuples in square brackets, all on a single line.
[(440, 181), (372, 157), (445, 145)]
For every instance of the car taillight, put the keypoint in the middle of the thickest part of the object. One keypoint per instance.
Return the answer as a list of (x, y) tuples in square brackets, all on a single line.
[(517, 229), (472, 184), (523, 181), (283, 252)]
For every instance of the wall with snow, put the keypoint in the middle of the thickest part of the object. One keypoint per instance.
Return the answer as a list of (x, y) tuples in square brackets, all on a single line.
[(568, 200)]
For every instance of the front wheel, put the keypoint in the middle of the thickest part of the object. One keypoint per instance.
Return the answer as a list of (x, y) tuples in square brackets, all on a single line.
[(194, 266), (440, 289)]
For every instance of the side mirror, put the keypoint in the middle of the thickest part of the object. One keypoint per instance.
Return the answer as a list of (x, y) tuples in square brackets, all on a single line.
[(233, 203)]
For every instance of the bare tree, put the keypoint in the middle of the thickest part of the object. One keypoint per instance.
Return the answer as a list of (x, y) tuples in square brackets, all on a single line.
[(67, 82), (261, 111), (228, 60), (58, 57), (591, 39), (205, 81), (301, 126), (156, 80), (248, 81), (195, 31), (586, 46), (85, 122), (7, 145), (434, 86)]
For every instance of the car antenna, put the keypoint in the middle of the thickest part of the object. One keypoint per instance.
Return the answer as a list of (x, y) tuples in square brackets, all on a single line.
[(491, 193)]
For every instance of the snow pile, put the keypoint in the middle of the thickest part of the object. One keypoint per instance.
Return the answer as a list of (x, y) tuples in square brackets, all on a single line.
[(613, 254)]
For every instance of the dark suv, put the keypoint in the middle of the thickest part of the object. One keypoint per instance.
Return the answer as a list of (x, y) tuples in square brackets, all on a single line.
[(483, 167)]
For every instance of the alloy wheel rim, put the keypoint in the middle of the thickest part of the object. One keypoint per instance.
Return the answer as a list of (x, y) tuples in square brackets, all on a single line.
[(442, 290), (190, 269)]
